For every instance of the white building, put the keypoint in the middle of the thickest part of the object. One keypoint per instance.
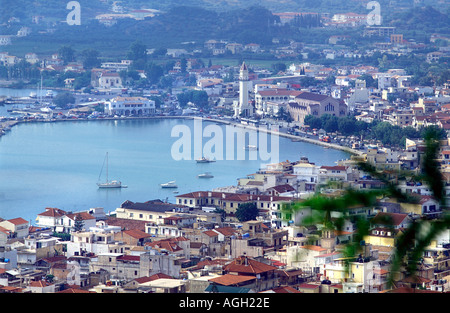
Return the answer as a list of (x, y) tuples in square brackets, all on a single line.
[(5, 40), (117, 66), (98, 240), (130, 106), (18, 226), (109, 80), (62, 221)]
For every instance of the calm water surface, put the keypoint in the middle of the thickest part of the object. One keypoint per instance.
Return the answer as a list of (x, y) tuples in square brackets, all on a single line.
[(58, 165)]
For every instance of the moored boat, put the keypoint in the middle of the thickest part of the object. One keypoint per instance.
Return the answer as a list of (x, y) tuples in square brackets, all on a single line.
[(251, 148), (109, 183), (170, 184), (205, 175), (204, 160)]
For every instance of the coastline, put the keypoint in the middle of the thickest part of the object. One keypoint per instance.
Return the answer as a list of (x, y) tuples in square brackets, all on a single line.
[(7, 125)]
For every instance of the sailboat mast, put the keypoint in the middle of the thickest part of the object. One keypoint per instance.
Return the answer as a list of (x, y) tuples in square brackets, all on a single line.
[(40, 93), (107, 167)]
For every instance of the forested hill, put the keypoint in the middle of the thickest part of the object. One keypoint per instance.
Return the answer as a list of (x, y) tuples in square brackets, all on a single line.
[(170, 29), (234, 21)]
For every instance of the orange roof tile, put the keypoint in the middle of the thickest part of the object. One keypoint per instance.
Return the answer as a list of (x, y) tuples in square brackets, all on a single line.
[(230, 279), (53, 212), (249, 266), (18, 221)]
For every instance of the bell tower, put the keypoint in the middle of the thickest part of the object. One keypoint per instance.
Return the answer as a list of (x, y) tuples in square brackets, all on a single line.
[(243, 108)]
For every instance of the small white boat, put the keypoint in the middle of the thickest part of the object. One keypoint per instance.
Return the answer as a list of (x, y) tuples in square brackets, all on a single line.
[(170, 184), (250, 148), (205, 175), (204, 160)]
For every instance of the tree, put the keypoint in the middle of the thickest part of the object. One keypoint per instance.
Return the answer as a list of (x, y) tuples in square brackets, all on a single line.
[(247, 212), (138, 53), (313, 122), (64, 99), (90, 58), (329, 123), (67, 54), (370, 81), (283, 115), (222, 212), (79, 224), (160, 52), (197, 97), (307, 81), (183, 65), (154, 72), (278, 67)]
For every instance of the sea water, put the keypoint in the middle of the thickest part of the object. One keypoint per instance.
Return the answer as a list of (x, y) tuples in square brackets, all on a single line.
[(58, 164)]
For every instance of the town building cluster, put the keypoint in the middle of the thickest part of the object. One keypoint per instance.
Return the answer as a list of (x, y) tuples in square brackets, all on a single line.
[(197, 244)]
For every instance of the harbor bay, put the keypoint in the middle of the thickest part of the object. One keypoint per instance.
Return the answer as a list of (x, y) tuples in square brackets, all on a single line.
[(58, 164)]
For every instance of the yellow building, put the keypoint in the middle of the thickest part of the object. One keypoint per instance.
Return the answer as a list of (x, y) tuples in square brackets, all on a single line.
[(427, 206)]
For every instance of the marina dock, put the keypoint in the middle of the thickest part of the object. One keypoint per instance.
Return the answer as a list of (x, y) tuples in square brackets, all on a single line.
[(6, 126)]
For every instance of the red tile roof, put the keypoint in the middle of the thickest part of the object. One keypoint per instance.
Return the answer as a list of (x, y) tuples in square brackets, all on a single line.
[(285, 289), (248, 266), (53, 212), (164, 244), (39, 283), (210, 233), (136, 233), (84, 216), (232, 196), (230, 279), (18, 221)]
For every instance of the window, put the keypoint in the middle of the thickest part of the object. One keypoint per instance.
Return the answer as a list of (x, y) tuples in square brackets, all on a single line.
[(329, 107)]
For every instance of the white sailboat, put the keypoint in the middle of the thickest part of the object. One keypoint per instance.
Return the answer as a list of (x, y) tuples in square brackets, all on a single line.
[(108, 183)]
